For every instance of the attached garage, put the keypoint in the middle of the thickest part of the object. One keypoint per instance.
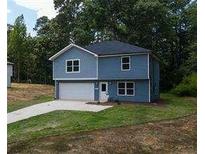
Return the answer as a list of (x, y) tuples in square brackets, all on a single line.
[(76, 91)]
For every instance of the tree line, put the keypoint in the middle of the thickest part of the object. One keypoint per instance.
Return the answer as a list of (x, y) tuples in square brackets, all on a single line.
[(168, 27)]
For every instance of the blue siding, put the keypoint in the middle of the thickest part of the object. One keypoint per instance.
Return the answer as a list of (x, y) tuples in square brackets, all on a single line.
[(110, 68), (154, 79), (141, 92), (88, 64)]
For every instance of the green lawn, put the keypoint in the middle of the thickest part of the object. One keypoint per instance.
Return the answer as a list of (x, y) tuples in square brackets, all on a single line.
[(68, 122), (15, 105)]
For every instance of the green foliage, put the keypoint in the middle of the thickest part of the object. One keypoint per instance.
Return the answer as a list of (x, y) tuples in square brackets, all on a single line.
[(167, 27), (188, 86), (42, 25), (17, 47)]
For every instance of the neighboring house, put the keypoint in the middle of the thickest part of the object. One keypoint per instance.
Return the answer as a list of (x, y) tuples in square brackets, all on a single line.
[(106, 71), (9, 73)]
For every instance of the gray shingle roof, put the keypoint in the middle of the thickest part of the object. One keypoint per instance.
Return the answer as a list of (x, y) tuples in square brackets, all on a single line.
[(114, 47)]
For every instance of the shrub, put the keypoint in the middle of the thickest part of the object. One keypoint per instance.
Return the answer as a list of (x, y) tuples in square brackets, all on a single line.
[(188, 86)]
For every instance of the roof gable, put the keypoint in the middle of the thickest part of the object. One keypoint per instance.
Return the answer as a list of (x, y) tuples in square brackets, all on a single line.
[(67, 48)]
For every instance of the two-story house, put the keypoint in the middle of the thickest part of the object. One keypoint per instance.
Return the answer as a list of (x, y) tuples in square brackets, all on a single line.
[(109, 70)]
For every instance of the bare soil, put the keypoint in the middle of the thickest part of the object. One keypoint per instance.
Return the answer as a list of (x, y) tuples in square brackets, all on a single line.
[(27, 92), (172, 136)]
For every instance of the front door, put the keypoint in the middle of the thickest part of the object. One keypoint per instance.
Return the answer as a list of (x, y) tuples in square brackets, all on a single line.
[(103, 91)]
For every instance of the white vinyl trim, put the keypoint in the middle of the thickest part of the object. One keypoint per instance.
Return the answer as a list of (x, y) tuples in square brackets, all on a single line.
[(68, 47), (126, 88), (72, 66), (106, 86), (75, 79), (126, 63)]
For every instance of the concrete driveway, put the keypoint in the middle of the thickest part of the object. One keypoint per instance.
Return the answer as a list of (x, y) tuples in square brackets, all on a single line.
[(43, 108)]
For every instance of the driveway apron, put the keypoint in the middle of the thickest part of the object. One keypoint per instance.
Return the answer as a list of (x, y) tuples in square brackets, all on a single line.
[(47, 107)]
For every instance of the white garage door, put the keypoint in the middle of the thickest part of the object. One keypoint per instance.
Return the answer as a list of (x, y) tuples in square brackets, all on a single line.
[(76, 91)]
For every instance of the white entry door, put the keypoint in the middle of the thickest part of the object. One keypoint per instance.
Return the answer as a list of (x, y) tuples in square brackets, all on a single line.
[(103, 91)]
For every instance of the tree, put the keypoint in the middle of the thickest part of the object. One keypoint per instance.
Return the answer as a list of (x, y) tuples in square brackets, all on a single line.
[(16, 45), (167, 27), (41, 26)]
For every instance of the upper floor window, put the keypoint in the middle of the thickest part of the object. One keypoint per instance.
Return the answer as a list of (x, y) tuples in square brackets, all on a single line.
[(73, 65), (125, 63)]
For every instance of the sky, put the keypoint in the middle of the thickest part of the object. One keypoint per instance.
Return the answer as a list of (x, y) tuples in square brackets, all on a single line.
[(31, 9)]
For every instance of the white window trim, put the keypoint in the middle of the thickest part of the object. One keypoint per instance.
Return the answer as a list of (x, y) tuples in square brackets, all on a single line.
[(106, 87), (72, 66), (125, 88), (126, 63)]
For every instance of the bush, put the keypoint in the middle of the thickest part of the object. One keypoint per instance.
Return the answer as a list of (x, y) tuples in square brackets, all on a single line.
[(188, 86)]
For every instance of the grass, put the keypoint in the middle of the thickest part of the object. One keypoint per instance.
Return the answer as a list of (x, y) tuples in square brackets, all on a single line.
[(69, 122), (159, 137), (15, 105), (115, 130), (22, 95)]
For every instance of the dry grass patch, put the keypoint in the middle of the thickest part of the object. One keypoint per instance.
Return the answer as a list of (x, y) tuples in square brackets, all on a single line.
[(172, 136), (22, 95), (26, 92)]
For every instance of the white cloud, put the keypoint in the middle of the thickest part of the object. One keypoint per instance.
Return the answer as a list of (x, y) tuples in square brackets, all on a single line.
[(8, 11), (42, 7)]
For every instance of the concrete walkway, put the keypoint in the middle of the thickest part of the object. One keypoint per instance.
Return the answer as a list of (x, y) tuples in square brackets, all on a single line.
[(43, 108)]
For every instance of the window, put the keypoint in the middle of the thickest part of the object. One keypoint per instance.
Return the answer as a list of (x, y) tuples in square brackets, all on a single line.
[(121, 88), (103, 87), (125, 88), (130, 88), (73, 65), (125, 63)]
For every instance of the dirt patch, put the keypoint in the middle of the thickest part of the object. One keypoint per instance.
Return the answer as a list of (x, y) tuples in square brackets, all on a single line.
[(173, 136), (26, 92)]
